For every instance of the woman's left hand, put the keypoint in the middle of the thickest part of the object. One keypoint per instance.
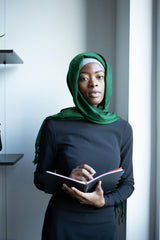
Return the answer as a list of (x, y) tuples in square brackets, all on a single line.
[(95, 198)]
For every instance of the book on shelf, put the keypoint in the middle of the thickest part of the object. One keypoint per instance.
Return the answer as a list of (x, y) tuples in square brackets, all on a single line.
[(110, 180)]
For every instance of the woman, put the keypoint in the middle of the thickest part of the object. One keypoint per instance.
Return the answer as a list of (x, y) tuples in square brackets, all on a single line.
[(83, 142)]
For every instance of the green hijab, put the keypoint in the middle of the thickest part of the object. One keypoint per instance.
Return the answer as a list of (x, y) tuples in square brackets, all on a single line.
[(83, 110)]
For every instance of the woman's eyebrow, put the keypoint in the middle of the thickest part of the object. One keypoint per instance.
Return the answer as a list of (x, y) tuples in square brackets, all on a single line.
[(94, 72), (84, 72)]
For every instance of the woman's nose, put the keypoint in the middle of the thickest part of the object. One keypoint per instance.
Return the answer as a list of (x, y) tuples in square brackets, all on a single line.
[(93, 82)]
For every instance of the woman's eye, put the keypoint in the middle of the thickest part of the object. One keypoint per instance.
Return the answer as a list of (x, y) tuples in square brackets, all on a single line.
[(83, 78), (100, 77)]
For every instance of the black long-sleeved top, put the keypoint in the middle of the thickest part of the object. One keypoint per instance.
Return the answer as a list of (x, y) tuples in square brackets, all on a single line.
[(65, 145)]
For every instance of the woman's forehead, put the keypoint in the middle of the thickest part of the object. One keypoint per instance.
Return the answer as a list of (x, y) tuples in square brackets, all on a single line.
[(92, 67), (89, 60)]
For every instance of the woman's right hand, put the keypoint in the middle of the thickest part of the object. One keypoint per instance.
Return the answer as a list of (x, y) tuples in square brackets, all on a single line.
[(82, 173)]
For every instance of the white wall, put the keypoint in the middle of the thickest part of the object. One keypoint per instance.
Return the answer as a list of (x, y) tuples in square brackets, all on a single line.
[(140, 116), (46, 35)]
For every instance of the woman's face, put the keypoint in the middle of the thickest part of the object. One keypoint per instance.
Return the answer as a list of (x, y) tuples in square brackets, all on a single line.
[(91, 83)]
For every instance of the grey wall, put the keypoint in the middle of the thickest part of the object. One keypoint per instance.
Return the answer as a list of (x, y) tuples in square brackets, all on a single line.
[(107, 32), (121, 96), (101, 33), (158, 125), (154, 115)]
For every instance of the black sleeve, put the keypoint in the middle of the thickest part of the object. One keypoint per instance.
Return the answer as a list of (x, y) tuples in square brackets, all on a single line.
[(46, 154), (126, 185)]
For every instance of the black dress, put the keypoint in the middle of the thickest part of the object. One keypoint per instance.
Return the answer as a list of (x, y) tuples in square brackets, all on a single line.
[(65, 145)]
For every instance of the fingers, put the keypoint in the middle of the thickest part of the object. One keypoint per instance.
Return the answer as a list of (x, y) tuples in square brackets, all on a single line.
[(88, 168), (95, 198), (72, 190), (99, 184), (75, 193), (67, 189), (83, 173), (78, 192), (78, 175), (99, 189), (80, 196)]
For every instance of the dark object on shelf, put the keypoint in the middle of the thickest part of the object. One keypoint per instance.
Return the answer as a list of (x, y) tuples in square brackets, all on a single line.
[(8, 56), (10, 159)]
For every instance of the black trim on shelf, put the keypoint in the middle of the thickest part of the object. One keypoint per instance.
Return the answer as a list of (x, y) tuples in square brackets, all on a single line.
[(9, 56), (10, 159)]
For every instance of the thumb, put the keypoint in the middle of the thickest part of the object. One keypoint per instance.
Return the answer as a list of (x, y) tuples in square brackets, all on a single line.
[(99, 187)]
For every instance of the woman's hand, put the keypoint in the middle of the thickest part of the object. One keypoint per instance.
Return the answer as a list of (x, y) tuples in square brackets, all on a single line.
[(95, 198), (82, 173)]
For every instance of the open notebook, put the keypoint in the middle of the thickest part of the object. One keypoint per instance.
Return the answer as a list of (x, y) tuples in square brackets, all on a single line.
[(110, 180)]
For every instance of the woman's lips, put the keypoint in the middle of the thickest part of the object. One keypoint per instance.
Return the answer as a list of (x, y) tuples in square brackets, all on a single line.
[(94, 94)]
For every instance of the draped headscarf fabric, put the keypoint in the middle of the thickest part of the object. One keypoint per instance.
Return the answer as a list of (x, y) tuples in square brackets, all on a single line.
[(83, 110)]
